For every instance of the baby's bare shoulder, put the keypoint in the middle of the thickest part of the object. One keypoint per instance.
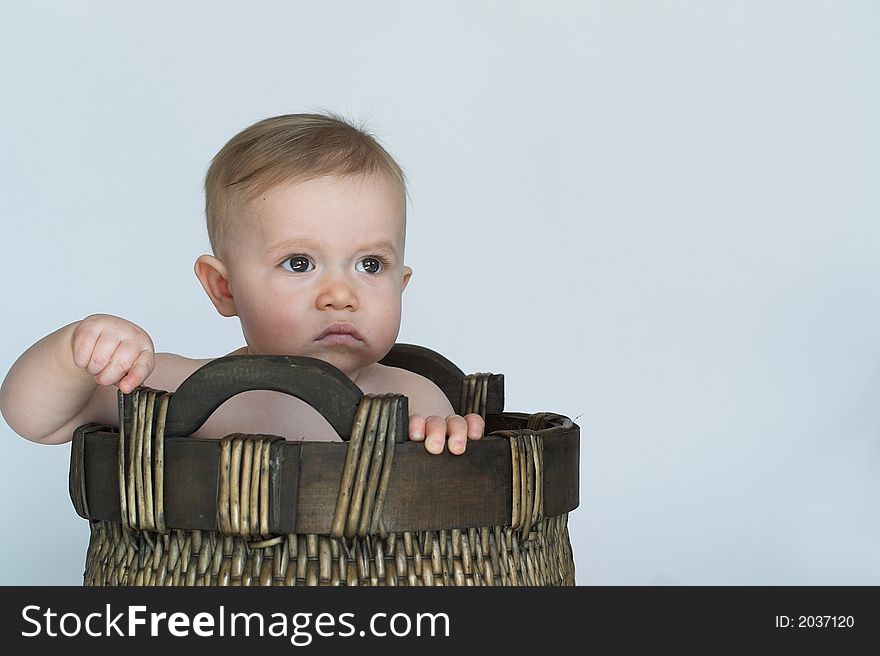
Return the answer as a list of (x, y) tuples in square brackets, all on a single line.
[(425, 398)]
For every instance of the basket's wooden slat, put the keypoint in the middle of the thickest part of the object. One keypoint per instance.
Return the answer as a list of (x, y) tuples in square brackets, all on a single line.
[(283, 488), (77, 475), (420, 494), (444, 374)]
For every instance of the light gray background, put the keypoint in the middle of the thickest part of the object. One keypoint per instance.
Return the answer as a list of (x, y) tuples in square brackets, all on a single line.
[(658, 218)]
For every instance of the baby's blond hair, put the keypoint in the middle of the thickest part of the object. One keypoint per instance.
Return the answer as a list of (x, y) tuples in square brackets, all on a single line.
[(282, 149)]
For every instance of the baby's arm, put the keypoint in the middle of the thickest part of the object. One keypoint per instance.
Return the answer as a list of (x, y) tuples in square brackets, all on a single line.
[(52, 382)]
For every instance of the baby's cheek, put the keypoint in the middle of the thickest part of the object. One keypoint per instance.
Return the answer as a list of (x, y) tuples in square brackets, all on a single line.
[(276, 330), (391, 315), (384, 340)]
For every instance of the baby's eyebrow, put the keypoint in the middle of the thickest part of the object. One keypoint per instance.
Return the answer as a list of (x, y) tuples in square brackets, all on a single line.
[(383, 246), (293, 244)]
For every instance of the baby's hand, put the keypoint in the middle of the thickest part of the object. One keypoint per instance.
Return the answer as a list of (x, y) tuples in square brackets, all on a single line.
[(114, 349), (435, 431)]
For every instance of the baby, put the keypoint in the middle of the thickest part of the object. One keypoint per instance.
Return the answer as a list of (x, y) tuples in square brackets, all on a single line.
[(307, 220)]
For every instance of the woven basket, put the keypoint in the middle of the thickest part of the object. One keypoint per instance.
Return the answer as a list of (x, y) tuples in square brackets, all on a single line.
[(169, 509)]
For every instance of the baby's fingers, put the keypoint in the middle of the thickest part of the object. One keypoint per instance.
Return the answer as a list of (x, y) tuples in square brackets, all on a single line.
[(454, 429), (138, 372), (435, 434), (84, 340), (476, 426), (101, 361), (122, 362), (416, 428), (457, 429)]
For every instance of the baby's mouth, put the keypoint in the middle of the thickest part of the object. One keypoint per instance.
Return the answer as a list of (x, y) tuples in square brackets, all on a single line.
[(340, 333)]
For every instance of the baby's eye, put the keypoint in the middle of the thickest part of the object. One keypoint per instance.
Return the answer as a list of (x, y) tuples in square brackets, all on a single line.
[(370, 265), (298, 264)]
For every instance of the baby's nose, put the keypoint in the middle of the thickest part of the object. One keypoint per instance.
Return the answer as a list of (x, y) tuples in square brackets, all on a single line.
[(337, 293)]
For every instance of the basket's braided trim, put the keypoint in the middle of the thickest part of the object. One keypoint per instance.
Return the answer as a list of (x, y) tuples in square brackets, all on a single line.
[(141, 473), (474, 389), (491, 555), (538, 420), (243, 500), (367, 468), (527, 472), (527, 481)]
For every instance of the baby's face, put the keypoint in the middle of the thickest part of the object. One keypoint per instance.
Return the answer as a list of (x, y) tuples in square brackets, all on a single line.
[(325, 254)]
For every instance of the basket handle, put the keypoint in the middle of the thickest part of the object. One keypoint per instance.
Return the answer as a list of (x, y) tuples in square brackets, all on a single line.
[(318, 383)]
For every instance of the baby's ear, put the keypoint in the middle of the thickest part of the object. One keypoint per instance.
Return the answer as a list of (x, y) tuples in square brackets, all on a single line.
[(214, 277), (407, 274)]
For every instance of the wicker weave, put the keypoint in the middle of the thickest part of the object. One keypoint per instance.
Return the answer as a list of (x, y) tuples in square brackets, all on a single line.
[(532, 550), (476, 556)]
